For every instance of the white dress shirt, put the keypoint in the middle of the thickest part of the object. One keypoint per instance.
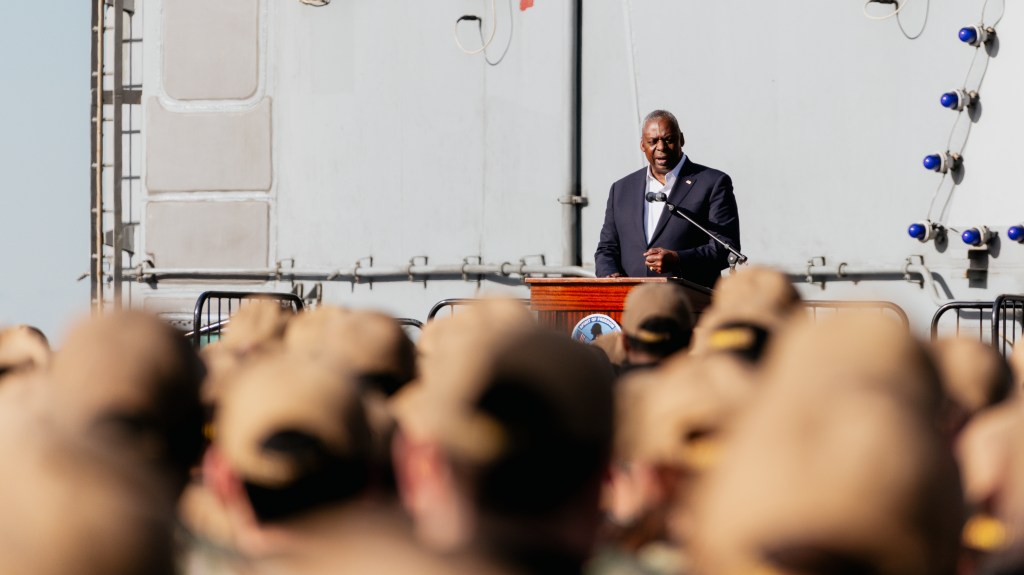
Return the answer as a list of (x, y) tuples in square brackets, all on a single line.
[(653, 210)]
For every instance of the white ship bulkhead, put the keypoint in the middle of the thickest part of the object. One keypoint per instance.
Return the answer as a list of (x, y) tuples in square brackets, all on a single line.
[(357, 136)]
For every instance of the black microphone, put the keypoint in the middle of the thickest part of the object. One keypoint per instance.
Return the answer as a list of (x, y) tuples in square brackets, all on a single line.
[(735, 257)]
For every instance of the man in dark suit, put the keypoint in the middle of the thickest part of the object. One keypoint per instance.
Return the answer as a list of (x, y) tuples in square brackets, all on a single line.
[(643, 239)]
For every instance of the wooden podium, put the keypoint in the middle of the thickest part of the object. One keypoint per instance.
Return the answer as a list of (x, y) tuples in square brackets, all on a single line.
[(562, 302)]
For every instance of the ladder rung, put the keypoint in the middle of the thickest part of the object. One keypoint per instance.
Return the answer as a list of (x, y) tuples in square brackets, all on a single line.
[(129, 97)]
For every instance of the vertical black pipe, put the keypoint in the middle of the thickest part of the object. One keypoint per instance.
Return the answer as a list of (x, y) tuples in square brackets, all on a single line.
[(574, 252)]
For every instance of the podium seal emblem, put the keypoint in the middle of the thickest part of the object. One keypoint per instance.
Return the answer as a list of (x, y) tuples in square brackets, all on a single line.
[(594, 325)]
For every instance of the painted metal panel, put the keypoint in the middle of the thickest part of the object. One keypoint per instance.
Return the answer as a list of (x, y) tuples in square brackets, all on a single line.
[(211, 49), (214, 151), (208, 234)]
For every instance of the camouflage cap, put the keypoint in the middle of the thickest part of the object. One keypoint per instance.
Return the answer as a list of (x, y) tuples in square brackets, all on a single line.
[(747, 308), (282, 394), (677, 413), (756, 287), (23, 347), (539, 425), (72, 508), (1005, 432), (368, 343), (1016, 361), (984, 450), (860, 352), (259, 324), (974, 375), (454, 357), (529, 411), (799, 487), (655, 313), (132, 381)]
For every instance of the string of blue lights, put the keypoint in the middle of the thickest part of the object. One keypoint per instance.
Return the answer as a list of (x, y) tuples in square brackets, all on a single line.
[(949, 163)]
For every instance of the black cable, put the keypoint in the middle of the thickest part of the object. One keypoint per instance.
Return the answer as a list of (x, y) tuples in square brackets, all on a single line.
[(927, 11)]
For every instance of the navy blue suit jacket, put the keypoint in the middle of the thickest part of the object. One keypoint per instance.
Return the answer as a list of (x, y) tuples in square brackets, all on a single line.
[(703, 193)]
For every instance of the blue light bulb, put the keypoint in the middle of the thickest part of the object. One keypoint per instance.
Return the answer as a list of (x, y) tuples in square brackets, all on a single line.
[(933, 162), (1015, 233), (950, 100), (971, 237), (969, 35), (918, 231)]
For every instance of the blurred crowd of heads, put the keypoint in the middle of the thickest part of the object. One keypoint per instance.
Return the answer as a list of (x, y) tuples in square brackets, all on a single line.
[(745, 439)]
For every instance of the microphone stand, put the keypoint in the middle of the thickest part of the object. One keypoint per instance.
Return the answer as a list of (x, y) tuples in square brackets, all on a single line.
[(735, 257)]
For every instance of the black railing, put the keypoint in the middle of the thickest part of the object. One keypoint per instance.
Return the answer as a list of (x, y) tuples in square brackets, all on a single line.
[(454, 303), (214, 308), (206, 329), (1007, 326), (972, 319), (409, 322), (814, 308)]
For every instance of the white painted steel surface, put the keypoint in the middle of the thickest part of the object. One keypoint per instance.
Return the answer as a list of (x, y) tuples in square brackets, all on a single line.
[(389, 142)]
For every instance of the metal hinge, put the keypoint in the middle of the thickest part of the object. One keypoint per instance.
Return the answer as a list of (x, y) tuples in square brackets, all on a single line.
[(574, 200), (127, 238)]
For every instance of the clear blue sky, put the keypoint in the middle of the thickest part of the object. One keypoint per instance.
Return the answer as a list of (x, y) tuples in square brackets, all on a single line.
[(44, 159)]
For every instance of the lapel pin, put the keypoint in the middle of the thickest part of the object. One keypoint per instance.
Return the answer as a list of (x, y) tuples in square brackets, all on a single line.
[(688, 182)]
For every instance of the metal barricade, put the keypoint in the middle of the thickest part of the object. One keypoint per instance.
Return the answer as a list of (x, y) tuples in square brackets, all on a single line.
[(820, 309), (1007, 322), (409, 322), (214, 309), (454, 303), (411, 327), (972, 319)]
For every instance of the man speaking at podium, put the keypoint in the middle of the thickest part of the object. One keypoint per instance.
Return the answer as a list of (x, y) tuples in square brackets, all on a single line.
[(641, 238)]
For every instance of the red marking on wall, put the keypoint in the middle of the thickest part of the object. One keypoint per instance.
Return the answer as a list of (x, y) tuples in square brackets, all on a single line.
[(524, 4)]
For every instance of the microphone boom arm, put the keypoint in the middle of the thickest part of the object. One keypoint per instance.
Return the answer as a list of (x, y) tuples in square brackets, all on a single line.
[(735, 257)]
